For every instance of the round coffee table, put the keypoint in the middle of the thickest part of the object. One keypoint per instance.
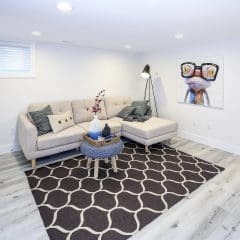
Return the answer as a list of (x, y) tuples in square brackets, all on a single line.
[(101, 153)]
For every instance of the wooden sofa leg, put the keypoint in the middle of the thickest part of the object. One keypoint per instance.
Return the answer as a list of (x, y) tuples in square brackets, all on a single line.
[(34, 163), (146, 149)]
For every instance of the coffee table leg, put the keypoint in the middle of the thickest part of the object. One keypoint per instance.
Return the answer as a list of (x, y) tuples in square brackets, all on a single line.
[(114, 164), (96, 164), (89, 162)]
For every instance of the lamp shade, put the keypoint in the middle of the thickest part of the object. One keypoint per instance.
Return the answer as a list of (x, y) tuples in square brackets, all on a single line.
[(146, 72)]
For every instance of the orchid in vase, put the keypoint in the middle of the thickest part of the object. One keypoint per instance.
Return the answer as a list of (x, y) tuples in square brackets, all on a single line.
[(98, 99), (95, 126)]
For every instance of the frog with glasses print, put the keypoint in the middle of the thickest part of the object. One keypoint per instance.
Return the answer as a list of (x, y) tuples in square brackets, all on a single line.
[(198, 79)]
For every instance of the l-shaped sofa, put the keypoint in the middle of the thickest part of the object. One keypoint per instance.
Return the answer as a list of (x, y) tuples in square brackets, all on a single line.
[(33, 146)]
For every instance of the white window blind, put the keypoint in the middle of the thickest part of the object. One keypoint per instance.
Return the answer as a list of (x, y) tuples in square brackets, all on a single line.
[(16, 60)]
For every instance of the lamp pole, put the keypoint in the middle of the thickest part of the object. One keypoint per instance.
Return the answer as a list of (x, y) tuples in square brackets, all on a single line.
[(154, 97), (149, 86)]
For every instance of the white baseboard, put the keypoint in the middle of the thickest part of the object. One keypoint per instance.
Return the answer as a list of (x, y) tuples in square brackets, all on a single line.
[(210, 142), (7, 148)]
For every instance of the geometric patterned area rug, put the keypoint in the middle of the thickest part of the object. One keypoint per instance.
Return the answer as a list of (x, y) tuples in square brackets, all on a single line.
[(75, 206)]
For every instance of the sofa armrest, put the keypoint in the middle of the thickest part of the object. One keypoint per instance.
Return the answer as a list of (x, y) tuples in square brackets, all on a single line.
[(27, 136)]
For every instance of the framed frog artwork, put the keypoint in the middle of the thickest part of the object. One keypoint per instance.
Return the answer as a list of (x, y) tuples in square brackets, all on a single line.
[(200, 82)]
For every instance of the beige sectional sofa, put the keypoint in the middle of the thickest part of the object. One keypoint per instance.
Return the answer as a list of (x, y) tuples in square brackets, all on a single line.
[(33, 146)]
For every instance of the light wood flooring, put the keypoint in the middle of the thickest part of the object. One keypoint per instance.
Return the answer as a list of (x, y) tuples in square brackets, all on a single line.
[(211, 212)]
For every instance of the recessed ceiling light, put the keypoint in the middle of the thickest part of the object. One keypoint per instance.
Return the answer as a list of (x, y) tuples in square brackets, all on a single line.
[(178, 35), (64, 6), (36, 33), (128, 46)]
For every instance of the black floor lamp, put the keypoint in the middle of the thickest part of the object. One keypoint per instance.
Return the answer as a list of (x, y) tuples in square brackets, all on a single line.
[(149, 86)]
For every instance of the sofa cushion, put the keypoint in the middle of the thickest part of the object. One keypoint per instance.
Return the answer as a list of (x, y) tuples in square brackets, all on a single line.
[(80, 112), (61, 121), (57, 107), (117, 119), (41, 121), (115, 126), (153, 127), (115, 104), (67, 136)]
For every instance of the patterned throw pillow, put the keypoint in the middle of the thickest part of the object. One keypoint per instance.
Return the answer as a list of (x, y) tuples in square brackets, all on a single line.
[(149, 111), (60, 122), (128, 110), (140, 103), (140, 110), (141, 107), (40, 119)]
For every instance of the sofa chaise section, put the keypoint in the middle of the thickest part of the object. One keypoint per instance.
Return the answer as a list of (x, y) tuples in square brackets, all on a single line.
[(149, 132)]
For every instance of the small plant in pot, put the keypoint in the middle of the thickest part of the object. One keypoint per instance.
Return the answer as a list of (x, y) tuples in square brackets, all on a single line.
[(95, 126)]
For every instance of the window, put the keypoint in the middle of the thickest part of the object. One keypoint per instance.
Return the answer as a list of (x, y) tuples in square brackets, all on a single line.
[(16, 60)]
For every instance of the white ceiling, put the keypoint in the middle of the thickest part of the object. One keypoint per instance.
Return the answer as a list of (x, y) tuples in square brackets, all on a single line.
[(145, 25)]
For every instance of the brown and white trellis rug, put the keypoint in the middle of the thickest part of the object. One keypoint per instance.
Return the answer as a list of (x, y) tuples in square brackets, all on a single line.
[(75, 206)]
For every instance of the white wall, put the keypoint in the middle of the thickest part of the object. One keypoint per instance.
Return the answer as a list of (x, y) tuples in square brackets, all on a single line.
[(215, 127), (65, 72)]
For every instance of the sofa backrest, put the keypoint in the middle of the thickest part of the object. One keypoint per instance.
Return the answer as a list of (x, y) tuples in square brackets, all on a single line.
[(115, 104), (57, 107), (80, 112), (110, 106)]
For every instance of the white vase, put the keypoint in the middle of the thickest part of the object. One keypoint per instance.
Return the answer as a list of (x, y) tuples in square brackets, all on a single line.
[(95, 128)]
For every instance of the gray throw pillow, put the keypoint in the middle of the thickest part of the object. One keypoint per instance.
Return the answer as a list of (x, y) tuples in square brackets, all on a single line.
[(126, 111), (140, 103), (141, 107), (149, 111), (140, 110), (41, 121)]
